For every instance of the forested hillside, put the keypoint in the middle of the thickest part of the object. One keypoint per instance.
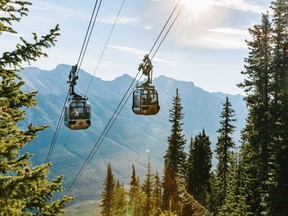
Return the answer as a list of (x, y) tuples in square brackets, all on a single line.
[(202, 154), (131, 135), (251, 181)]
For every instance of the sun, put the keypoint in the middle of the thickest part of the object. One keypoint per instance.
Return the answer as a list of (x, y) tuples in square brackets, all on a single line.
[(197, 6)]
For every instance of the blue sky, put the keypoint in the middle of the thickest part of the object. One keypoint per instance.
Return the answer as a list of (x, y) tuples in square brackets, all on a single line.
[(207, 47)]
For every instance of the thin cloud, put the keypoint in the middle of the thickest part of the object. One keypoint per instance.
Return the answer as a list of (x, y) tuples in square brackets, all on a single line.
[(219, 38), (129, 50), (121, 20), (229, 31), (241, 5), (50, 8), (124, 20), (173, 63), (141, 53)]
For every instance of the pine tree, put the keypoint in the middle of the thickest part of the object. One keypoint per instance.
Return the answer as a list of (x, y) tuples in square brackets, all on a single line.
[(199, 169), (175, 157), (235, 199), (119, 202), (266, 134), (157, 194), (147, 189), (136, 198), (108, 193), (223, 149), (25, 190), (257, 136), (278, 173)]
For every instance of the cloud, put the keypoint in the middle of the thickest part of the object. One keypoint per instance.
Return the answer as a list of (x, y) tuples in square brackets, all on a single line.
[(219, 38), (121, 20), (241, 5), (229, 31), (172, 63), (124, 20), (51, 9), (141, 53), (129, 50)]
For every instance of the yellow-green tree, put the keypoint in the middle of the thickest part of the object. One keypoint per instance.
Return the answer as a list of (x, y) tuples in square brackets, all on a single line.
[(25, 190)]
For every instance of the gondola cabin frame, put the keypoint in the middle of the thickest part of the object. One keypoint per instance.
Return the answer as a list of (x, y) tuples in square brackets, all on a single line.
[(77, 114), (145, 100)]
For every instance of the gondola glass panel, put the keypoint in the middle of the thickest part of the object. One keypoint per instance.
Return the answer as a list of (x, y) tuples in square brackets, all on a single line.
[(78, 115), (145, 101)]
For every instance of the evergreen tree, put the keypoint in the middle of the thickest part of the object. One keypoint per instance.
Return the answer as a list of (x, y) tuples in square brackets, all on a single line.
[(223, 149), (157, 194), (108, 193), (119, 201), (25, 190), (278, 173), (199, 169), (175, 157), (235, 199), (136, 198), (266, 134), (147, 189), (257, 134)]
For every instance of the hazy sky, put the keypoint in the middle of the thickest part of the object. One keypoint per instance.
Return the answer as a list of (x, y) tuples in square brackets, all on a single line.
[(206, 46)]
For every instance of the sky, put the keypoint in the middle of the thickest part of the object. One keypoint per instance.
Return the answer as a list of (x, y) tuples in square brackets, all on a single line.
[(206, 45)]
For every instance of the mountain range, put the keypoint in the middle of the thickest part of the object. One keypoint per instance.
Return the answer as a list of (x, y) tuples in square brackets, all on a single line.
[(130, 140)]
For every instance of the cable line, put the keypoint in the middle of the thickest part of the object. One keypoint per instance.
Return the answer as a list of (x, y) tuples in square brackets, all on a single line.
[(88, 34), (121, 104), (167, 31), (164, 27), (102, 137), (80, 59), (56, 132), (105, 46)]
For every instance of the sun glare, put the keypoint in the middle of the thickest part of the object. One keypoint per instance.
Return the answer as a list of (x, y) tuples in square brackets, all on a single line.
[(197, 6)]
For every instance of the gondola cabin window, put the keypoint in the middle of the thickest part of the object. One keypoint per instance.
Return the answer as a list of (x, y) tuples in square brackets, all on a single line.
[(145, 101), (79, 110), (77, 115)]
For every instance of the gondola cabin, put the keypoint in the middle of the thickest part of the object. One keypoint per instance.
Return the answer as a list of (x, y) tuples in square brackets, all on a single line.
[(145, 101), (77, 114)]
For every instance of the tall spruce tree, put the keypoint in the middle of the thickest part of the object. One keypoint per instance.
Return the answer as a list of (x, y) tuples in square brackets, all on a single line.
[(175, 158), (157, 194), (147, 189), (224, 146), (25, 190), (278, 172), (257, 134), (119, 201), (199, 169), (235, 199), (108, 193), (136, 197)]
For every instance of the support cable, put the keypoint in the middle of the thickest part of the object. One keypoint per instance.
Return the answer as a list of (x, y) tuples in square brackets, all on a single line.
[(120, 106), (80, 59)]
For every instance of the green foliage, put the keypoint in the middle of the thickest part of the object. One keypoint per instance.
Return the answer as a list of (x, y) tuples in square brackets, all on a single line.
[(25, 190), (223, 149), (119, 200), (14, 11), (136, 197), (265, 138), (199, 168), (235, 200), (108, 193), (175, 157)]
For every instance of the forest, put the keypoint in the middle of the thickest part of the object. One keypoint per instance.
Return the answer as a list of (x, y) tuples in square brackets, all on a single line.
[(249, 180)]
